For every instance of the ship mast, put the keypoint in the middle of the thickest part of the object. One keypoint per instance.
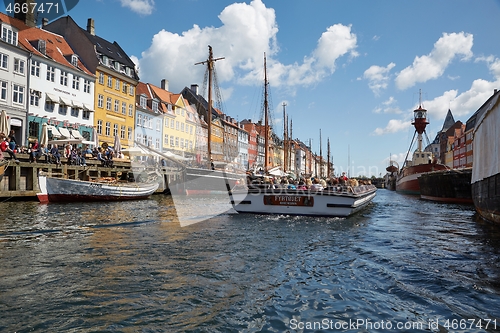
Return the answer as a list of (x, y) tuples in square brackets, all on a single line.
[(266, 120), (420, 121), (320, 156), (285, 139), (328, 171), (210, 68)]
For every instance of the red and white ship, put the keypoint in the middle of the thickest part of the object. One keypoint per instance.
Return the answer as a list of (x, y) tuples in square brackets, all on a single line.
[(422, 161)]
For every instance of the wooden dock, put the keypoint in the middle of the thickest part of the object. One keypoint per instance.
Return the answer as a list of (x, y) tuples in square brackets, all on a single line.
[(21, 180)]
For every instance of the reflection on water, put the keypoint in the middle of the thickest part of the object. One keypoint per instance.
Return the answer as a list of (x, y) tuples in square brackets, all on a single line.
[(131, 266)]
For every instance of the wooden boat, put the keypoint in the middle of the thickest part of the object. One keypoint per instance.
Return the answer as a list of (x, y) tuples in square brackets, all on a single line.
[(451, 186), (486, 167), (422, 161), (336, 201), (54, 189), (332, 202)]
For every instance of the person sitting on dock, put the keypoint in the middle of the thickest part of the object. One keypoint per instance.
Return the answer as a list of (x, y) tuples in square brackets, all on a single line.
[(34, 152), (101, 158), (43, 151), (54, 151), (4, 147)]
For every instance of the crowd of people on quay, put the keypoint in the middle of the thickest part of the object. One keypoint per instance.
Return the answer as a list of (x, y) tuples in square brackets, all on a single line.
[(305, 183), (40, 153)]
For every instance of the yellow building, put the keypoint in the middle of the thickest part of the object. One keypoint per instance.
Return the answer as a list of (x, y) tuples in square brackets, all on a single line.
[(179, 122)]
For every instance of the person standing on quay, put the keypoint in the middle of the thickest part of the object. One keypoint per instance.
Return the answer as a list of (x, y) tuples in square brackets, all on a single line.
[(12, 136)]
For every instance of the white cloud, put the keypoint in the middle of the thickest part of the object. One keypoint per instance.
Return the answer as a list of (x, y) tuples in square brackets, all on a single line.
[(245, 33), (378, 77), (393, 126), (493, 64), (433, 65), (142, 7)]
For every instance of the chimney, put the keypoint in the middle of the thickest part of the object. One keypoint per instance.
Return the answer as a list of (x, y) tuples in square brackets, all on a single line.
[(164, 84), (194, 89), (495, 91), (27, 16), (90, 26)]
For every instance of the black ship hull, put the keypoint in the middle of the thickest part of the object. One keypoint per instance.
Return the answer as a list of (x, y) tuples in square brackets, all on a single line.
[(486, 194), (452, 186)]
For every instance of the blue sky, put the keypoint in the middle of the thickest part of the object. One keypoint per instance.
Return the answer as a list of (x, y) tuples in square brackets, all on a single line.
[(350, 68)]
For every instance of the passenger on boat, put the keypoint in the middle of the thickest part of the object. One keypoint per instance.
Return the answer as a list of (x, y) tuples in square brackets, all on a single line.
[(316, 186), (301, 185), (343, 179)]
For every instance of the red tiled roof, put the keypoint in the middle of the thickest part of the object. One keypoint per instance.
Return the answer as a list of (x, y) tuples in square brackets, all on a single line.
[(56, 47)]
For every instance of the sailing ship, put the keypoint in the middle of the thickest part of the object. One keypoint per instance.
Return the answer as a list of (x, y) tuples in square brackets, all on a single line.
[(422, 161), (334, 201), (486, 168), (207, 180), (53, 189), (390, 177)]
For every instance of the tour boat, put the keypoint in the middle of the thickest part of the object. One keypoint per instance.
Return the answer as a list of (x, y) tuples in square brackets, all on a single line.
[(54, 189), (334, 201), (422, 161), (339, 201)]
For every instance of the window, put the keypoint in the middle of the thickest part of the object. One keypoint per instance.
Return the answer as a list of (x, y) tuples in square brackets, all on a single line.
[(4, 61), (117, 105), (35, 68), (63, 109), (176, 141), (117, 84), (172, 143), (75, 112), (155, 106), (115, 129), (76, 82), (74, 60), (122, 132), (99, 126), (101, 78), (124, 108), (130, 110), (8, 35), (166, 123), (129, 133), (64, 78), (86, 86), (131, 90), (142, 101), (172, 123), (150, 141), (157, 143), (158, 125), (3, 90), (108, 128), (18, 94), (139, 120), (86, 115), (49, 106), (144, 122), (165, 139), (19, 66), (182, 143), (51, 72), (177, 125), (124, 88), (110, 82), (108, 103), (182, 127), (100, 100), (139, 137), (35, 98)]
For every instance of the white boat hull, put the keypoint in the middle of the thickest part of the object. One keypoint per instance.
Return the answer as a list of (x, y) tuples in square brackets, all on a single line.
[(330, 203), (67, 190)]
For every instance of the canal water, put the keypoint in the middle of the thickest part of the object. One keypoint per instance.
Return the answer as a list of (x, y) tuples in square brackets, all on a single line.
[(401, 265)]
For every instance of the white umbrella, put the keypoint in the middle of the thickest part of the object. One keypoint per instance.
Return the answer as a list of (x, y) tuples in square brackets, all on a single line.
[(44, 138), (136, 151), (4, 125), (95, 138), (117, 146)]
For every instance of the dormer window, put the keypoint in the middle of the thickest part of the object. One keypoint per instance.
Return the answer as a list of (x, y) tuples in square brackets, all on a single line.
[(127, 70), (142, 101), (74, 60), (9, 35), (42, 46), (105, 60), (155, 106), (117, 66)]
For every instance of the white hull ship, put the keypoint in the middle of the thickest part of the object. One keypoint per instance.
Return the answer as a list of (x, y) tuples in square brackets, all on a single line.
[(54, 189), (334, 202)]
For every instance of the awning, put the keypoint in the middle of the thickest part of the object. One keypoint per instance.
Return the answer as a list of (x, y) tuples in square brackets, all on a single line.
[(76, 134), (55, 132), (65, 132), (52, 98), (87, 107), (77, 104), (65, 101)]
